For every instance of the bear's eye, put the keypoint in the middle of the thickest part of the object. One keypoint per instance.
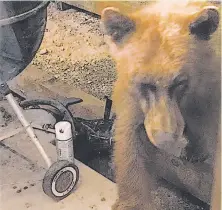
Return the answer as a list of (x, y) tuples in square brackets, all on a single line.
[(178, 88), (145, 87)]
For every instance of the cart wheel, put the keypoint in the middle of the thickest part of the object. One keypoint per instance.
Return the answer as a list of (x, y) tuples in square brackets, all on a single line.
[(60, 180)]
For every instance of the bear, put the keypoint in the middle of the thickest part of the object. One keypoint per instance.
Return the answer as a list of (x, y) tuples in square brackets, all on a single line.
[(167, 90)]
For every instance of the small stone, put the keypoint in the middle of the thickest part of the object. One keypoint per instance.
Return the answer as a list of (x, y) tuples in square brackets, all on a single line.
[(103, 199), (58, 44), (102, 43), (27, 205), (43, 52), (25, 188), (18, 191)]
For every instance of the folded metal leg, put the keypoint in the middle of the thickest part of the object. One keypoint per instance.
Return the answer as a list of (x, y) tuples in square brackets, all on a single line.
[(27, 127)]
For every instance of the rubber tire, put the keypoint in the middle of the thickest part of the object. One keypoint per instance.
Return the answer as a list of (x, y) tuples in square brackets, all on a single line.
[(52, 172)]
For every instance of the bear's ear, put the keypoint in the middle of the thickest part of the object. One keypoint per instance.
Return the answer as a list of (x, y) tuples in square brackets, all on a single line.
[(206, 24), (116, 25)]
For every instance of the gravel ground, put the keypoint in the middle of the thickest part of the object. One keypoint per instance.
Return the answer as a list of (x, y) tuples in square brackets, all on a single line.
[(73, 50)]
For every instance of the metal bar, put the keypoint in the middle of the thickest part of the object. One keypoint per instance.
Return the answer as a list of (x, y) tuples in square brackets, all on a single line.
[(11, 133), (28, 127), (108, 108), (23, 16), (19, 130), (39, 127)]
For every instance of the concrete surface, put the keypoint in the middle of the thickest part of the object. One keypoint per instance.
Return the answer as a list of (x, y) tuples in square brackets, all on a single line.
[(21, 179), (22, 168), (22, 171)]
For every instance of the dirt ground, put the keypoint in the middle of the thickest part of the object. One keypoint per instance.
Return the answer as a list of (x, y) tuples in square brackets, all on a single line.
[(73, 51)]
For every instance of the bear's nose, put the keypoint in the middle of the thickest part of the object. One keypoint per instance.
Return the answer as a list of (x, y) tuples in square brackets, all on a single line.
[(169, 142)]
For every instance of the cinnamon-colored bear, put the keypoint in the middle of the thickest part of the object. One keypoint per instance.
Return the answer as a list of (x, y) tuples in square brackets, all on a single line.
[(167, 89)]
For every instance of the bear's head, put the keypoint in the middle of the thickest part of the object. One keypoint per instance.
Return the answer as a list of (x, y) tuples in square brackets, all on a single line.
[(155, 48)]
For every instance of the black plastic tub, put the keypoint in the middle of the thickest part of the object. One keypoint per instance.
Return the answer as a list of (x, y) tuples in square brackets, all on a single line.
[(22, 26)]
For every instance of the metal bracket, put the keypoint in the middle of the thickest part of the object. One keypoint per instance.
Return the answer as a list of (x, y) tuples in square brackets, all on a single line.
[(4, 89)]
